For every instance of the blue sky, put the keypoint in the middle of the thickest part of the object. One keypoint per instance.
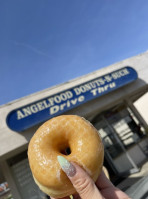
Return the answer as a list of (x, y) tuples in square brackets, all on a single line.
[(47, 42)]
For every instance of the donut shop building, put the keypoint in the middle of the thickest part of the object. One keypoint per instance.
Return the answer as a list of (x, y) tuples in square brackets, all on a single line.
[(114, 99)]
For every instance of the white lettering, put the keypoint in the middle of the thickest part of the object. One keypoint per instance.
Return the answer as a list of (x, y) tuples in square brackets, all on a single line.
[(77, 91), (74, 101), (27, 111), (103, 89), (40, 106), (112, 85), (63, 96), (81, 98), (68, 103), (93, 84), (94, 92), (45, 104), (20, 115), (120, 73), (51, 101), (84, 88), (34, 108), (61, 107), (89, 86), (101, 81), (108, 78), (69, 94), (57, 99), (106, 87), (54, 109), (126, 72)]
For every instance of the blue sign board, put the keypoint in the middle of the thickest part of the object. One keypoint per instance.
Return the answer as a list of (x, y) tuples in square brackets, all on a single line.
[(40, 111)]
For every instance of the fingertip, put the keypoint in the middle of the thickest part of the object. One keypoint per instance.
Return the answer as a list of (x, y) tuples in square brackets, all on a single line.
[(66, 166)]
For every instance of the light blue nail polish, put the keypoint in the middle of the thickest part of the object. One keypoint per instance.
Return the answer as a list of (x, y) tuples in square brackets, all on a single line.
[(63, 162), (66, 166)]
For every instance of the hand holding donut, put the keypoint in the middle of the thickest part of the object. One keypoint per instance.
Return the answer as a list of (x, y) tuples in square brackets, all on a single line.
[(69, 136), (85, 186), (74, 138)]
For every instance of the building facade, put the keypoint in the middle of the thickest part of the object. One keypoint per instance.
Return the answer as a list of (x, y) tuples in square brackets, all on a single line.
[(114, 99)]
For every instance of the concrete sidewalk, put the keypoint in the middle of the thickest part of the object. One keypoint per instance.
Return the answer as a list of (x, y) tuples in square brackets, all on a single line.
[(133, 178)]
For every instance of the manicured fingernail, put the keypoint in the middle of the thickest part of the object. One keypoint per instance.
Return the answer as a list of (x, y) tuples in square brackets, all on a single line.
[(66, 166)]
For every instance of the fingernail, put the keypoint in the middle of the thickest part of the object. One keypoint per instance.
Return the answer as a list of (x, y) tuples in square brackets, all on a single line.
[(66, 166)]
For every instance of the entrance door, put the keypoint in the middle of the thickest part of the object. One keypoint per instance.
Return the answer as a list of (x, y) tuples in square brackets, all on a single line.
[(115, 150)]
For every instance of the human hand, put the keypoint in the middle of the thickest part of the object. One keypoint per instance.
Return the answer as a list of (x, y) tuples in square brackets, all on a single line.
[(84, 185)]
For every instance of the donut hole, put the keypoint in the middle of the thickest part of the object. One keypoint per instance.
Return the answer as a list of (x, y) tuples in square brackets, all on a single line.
[(62, 146), (66, 151)]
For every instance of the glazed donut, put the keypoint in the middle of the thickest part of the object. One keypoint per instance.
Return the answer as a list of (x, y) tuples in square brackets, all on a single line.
[(72, 137)]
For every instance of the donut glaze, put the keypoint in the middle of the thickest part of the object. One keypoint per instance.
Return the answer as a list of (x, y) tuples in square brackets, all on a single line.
[(53, 138)]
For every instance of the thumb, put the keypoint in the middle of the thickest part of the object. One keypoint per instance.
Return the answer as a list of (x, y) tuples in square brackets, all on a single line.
[(83, 184)]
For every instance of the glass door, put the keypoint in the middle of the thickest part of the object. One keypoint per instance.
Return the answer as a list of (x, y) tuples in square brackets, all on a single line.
[(125, 124), (115, 152)]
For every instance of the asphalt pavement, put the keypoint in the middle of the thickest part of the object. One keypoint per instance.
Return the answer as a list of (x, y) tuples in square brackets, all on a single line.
[(133, 178)]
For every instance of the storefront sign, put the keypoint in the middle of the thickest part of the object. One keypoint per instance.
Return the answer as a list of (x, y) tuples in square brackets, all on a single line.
[(40, 111)]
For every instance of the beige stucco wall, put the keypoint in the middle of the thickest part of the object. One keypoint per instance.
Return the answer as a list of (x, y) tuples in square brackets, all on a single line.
[(142, 105)]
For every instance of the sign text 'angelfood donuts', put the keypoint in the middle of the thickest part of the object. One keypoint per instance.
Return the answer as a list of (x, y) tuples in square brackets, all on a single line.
[(42, 110)]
